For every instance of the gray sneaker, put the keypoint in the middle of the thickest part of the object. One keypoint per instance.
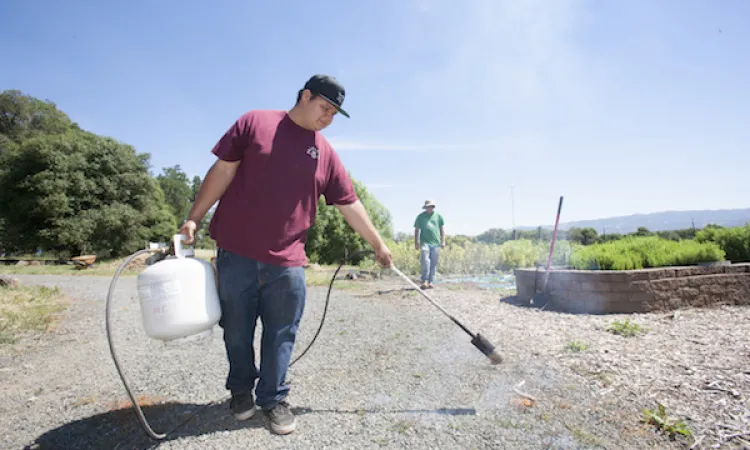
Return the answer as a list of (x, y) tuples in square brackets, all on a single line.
[(282, 419), (243, 406)]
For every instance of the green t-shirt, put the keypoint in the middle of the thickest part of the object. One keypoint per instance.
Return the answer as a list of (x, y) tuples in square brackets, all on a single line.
[(429, 227)]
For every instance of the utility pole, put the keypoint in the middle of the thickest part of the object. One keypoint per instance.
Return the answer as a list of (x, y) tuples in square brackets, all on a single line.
[(513, 211)]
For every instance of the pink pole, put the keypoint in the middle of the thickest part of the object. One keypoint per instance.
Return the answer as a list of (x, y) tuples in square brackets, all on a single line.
[(552, 246)]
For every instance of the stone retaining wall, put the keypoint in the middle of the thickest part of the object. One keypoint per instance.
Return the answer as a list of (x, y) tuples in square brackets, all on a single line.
[(602, 292)]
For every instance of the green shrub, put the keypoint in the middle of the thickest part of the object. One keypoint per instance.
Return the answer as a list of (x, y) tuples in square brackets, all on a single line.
[(626, 328), (644, 252), (734, 241)]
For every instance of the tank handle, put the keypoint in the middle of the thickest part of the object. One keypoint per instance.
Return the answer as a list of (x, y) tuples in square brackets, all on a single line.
[(181, 251)]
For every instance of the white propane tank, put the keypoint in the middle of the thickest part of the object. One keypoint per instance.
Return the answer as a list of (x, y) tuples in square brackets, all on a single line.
[(178, 296)]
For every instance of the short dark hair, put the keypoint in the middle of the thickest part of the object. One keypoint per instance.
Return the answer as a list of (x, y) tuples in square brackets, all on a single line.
[(299, 95)]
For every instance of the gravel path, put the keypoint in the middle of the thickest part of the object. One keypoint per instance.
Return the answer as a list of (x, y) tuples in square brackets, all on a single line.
[(388, 371)]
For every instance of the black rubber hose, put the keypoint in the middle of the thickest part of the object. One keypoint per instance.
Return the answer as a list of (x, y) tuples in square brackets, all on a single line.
[(328, 299), (108, 319)]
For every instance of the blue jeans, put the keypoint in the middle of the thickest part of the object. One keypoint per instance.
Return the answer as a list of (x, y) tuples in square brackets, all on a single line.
[(428, 258), (249, 290)]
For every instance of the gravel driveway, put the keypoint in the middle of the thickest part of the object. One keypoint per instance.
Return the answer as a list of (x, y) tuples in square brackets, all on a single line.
[(388, 371)]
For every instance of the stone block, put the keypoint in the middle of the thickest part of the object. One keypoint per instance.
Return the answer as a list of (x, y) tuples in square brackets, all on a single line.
[(674, 303), (593, 302), (688, 293), (733, 279), (651, 274), (670, 284), (595, 286), (737, 268), (624, 307), (690, 271), (646, 301), (640, 286), (711, 289), (572, 285)]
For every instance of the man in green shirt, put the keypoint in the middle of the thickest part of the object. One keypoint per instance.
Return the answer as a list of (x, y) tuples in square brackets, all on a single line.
[(429, 237)]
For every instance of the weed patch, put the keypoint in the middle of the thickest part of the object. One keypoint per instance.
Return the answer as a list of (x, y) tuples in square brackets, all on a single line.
[(625, 328), (659, 419), (28, 309), (576, 346)]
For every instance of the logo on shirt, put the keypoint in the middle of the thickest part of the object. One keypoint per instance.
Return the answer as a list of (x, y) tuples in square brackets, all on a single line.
[(313, 152)]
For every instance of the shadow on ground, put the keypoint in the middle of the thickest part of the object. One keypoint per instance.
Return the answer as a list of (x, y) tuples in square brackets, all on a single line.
[(121, 429), (515, 301)]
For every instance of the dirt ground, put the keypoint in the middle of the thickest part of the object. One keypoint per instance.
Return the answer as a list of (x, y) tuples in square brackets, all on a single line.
[(390, 371)]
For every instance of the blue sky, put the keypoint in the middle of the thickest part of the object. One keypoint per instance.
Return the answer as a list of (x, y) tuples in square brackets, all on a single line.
[(622, 107)]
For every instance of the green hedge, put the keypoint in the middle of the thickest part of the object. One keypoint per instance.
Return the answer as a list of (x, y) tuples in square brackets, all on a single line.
[(734, 241), (644, 252)]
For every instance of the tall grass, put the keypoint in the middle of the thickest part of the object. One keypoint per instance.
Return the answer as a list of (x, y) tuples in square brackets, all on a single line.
[(472, 258), (644, 252)]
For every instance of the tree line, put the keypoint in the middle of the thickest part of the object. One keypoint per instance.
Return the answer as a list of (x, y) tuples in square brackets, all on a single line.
[(68, 191), (583, 236)]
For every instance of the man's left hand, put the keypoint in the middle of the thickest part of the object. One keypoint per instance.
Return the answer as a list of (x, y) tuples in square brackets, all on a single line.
[(442, 245)]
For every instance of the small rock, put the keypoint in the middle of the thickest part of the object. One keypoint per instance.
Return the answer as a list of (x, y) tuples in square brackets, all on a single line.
[(9, 281)]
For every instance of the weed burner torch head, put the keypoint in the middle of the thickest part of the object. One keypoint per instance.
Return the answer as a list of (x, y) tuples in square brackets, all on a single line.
[(487, 348)]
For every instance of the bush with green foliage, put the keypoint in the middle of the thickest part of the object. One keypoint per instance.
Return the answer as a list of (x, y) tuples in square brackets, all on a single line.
[(330, 238), (734, 241), (69, 191), (644, 252)]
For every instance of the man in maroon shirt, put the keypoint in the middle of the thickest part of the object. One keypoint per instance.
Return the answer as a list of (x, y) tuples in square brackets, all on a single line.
[(272, 168)]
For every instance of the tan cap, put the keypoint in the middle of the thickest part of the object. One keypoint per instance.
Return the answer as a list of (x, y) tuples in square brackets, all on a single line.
[(428, 203)]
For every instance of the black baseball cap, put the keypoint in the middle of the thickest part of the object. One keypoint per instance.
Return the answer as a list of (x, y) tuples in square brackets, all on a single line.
[(329, 88)]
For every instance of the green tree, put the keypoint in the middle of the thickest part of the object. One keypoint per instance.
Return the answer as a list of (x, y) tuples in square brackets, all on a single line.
[(22, 117), (202, 238), (609, 237), (178, 191), (76, 192), (585, 236), (330, 238), (494, 236)]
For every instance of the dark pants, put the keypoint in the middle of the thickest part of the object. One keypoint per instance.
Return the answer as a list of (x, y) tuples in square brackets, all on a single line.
[(249, 289)]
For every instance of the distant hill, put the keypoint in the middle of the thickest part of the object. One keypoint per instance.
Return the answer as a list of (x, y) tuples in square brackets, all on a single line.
[(666, 220)]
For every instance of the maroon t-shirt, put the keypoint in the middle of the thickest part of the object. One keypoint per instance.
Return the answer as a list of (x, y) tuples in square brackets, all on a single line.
[(272, 200)]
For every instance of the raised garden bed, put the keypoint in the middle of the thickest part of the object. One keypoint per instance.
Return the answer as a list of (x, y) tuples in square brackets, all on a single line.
[(636, 291)]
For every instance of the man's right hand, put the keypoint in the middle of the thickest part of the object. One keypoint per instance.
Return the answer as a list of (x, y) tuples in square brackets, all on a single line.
[(416, 247), (188, 229)]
